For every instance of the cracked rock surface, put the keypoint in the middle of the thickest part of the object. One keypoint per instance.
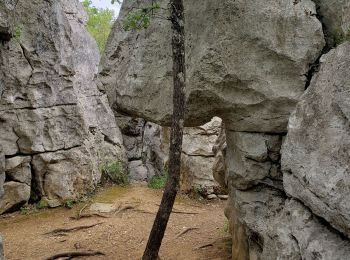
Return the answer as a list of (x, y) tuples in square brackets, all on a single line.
[(253, 86), (249, 62), (56, 126), (316, 154)]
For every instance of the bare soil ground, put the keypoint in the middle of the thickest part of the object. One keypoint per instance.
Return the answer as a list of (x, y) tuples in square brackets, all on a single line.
[(124, 233)]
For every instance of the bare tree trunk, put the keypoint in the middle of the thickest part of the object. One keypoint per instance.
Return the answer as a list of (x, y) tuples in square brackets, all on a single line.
[(172, 186)]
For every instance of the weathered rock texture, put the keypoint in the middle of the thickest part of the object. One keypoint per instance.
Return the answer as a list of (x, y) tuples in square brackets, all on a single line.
[(335, 15), (249, 63), (1, 250), (198, 157), (282, 37), (147, 148), (142, 141), (56, 126), (316, 154)]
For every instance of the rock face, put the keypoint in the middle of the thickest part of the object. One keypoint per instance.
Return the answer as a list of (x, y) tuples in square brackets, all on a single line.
[(1, 250), (316, 154), (283, 37), (147, 148), (249, 63), (56, 126), (142, 141), (335, 15), (198, 158)]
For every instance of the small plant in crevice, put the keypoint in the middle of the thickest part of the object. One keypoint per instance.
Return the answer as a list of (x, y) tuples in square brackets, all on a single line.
[(114, 172), (158, 182), (69, 204), (17, 32)]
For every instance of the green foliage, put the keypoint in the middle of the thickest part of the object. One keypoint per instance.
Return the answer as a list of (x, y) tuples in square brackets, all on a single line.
[(114, 171), (42, 204), (69, 204), (25, 210), (158, 182), (17, 33), (140, 19), (99, 24)]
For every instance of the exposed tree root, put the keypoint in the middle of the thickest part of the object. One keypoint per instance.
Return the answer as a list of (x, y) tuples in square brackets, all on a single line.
[(87, 215), (184, 212), (185, 231), (67, 230), (71, 255)]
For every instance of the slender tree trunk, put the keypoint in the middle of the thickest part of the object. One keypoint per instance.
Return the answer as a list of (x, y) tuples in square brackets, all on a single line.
[(172, 186)]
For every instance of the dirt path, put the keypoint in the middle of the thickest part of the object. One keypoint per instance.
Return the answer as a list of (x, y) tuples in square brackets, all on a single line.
[(123, 235)]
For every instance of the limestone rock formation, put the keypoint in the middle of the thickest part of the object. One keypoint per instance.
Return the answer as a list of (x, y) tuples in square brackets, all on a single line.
[(266, 225), (316, 154), (335, 15), (253, 86), (142, 141), (198, 158), (56, 126), (1, 250), (253, 158), (249, 62), (147, 148)]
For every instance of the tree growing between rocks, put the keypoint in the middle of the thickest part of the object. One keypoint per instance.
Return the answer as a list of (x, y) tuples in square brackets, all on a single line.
[(137, 20)]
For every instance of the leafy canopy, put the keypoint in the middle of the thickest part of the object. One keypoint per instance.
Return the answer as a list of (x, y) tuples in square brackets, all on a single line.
[(99, 24)]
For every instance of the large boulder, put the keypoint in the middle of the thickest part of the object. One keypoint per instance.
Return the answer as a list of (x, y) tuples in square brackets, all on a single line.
[(316, 154), (249, 62), (266, 225), (56, 126), (225, 42)]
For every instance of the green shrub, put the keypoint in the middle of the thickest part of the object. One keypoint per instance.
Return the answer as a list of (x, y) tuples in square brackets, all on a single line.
[(158, 182), (25, 210), (114, 172), (69, 204), (42, 204)]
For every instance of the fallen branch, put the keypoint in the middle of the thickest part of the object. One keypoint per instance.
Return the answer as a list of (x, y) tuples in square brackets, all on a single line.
[(71, 255), (67, 230), (185, 231)]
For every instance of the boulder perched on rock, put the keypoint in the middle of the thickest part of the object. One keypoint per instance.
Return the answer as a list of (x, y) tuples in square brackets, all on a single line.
[(316, 154), (247, 63), (56, 126)]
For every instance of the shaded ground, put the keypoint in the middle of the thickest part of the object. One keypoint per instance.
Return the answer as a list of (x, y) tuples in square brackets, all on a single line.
[(123, 235)]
